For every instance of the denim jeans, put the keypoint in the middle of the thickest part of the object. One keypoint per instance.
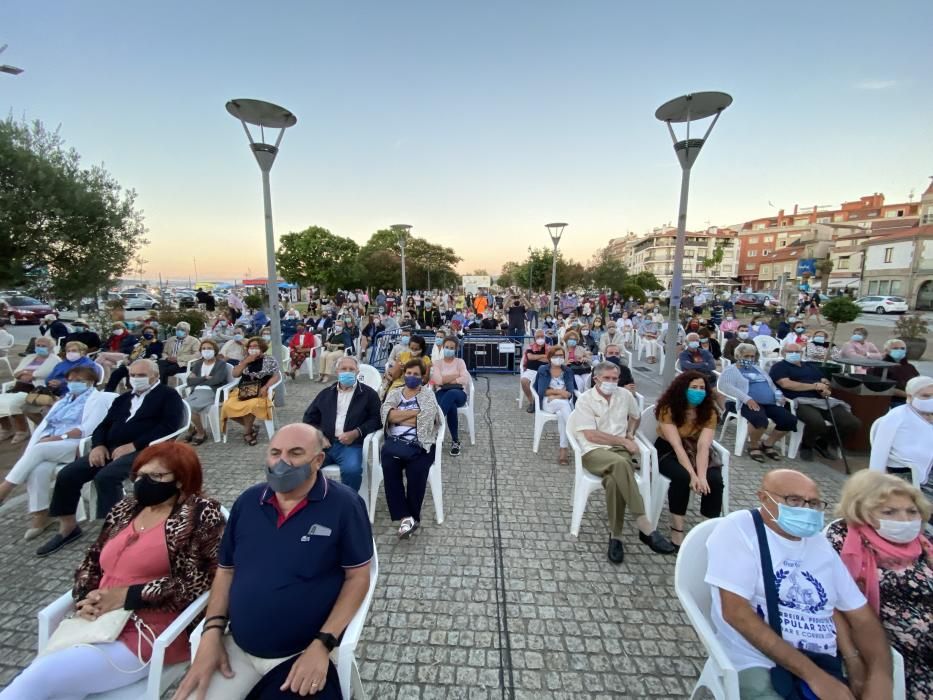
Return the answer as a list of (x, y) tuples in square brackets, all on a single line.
[(449, 400), (350, 460)]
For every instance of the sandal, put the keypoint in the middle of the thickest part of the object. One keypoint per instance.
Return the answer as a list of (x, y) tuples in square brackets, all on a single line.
[(189, 435), (250, 438), (407, 527), (198, 440), (770, 452), (756, 454)]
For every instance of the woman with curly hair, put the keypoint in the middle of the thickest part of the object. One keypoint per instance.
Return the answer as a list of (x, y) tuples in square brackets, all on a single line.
[(686, 424)]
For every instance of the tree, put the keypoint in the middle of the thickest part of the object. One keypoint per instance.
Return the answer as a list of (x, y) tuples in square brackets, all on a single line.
[(480, 272), (380, 260), (606, 272), (647, 281), (715, 260), (825, 267), (67, 230), (839, 309), (316, 257)]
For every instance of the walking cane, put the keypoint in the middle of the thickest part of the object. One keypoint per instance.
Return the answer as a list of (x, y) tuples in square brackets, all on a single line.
[(832, 419)]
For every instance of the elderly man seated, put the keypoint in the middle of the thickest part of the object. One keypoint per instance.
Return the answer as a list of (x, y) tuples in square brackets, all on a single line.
[(603, 423), (613, 354), (757, 394), (895, 350), (150, 411), (805, 383), (693, 357), (346, 412), (293, 570), (177, 353), (789, 630)]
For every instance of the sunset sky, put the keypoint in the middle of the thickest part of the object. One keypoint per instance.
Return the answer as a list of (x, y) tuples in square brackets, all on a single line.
[(476, 122)]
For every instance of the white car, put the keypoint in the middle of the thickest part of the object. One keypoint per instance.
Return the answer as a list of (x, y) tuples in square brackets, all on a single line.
[(137, 301), (883, 304)]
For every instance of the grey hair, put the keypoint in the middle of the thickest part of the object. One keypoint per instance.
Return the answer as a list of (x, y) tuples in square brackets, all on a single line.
[(348, 357), (184, 325), (152, 366), (890, 341), (743, 348), (605, 367)]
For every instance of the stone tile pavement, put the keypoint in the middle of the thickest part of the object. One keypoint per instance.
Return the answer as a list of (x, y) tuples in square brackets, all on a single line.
[(499, 601)]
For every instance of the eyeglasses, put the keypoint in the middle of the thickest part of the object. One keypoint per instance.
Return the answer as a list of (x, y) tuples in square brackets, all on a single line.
[(800, 502), (156, 476)]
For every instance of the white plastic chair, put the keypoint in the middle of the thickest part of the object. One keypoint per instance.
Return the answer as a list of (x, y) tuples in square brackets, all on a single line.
[(371, 377), (719, 675), (521, 394), (541, 419), (741, 429), (212, 413), (468, 412), (914, 470), (435, 475), (769, 350), (4, 350), (332, 471), (270, 423)]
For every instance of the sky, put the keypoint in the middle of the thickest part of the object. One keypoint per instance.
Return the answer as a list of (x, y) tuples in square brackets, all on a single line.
[(475, 122)]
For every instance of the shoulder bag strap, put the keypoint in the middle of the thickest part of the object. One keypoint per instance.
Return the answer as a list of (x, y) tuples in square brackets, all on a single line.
[(767, 573)]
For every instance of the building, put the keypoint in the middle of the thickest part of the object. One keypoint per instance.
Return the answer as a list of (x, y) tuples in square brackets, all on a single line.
[(654, 252), (901, 264)]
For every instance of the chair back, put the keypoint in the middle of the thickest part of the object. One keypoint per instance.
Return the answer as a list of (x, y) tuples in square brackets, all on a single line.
[(766, 344), (873, 431), (648, 427), (100, 372), (370, 376)]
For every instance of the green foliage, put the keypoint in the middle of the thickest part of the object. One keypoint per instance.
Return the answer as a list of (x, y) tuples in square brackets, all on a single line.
[(825, 267), (316, 257), (253, 301), (630, 289), (714, 260), (426, 264), (647, 281), (910, 326), (606, 272), (72, 229), (170, 318), (840, 309)]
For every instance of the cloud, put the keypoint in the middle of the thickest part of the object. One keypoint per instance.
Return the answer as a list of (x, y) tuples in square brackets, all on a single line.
[(875, 84)]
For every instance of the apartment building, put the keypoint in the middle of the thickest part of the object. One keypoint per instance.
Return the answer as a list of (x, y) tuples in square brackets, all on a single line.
[(654, 252)]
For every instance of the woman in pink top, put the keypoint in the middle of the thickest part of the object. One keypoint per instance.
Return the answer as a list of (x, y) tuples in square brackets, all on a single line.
[(451, 380), (156, 553), (858, 347)]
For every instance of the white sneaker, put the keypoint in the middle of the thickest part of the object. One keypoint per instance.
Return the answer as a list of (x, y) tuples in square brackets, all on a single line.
[(18, 438)]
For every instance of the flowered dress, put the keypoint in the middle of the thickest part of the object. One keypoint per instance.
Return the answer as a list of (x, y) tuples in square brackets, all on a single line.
[(907, 615)]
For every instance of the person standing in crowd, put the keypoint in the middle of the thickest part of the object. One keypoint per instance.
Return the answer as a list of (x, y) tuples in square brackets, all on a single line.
[(805, 384), (516, 316), (148, 412), (207, 375), (880, 539), (603, 423), (410, 416), (554, 386), (345, 412), (813, 588), (250, 400), (297, 515), (178, 352), (451, 380), (895, 350), (686, 417), (156, 553)]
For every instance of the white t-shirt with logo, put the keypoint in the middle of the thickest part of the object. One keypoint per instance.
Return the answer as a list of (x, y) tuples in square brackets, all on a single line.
[(811, 580)]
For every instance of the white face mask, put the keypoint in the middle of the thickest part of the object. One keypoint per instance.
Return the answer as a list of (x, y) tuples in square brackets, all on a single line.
[(139, 384), (207, 354), (922, 405), (253, 351), (900, 531), (557, 361), (608, 387), (72, 356)]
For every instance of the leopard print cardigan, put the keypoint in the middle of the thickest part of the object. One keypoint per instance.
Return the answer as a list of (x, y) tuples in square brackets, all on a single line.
[(192, 535)]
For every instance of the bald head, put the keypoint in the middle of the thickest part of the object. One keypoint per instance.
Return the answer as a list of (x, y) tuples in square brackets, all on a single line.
[(297, 444), (777, 487)]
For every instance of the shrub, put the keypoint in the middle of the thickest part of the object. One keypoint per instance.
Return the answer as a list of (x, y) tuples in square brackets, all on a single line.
[(911, 326), (195, 318)]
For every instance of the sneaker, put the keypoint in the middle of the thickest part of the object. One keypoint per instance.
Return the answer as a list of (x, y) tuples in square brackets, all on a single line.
[(407, 527), (454, 449), (59, 541)]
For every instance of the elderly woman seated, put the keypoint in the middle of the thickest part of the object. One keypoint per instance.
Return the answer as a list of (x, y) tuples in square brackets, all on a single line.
[(32, 371), (904, 435), (55, 442), (578, 360), (859, 347), (394, 375), (554, 386), (895, 350), (250, 399), (207, 375), (75, 356), (117, 346), (234, 349), (156, 553), (881, 542), (755, 391)]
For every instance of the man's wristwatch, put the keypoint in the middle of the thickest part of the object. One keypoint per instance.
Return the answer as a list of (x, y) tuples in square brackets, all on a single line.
[(64, 436), (328, 640)]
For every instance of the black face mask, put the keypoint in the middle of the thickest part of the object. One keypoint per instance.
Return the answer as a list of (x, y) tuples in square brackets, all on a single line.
[(149, 492)]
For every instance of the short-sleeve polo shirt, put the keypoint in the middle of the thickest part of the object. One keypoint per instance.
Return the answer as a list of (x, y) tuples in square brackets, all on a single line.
[(288, 571), (805, 373)]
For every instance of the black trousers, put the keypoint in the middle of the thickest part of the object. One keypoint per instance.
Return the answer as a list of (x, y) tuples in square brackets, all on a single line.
[(168, 369), (678, 495), (815, 427), (117, 376), (108, 480), (268, 687)]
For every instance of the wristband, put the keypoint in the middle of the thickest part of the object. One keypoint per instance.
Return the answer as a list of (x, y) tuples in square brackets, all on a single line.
[(222, 628), (216, 617)]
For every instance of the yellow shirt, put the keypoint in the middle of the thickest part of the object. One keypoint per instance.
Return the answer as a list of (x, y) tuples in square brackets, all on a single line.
[(689, 429), (404, 357)]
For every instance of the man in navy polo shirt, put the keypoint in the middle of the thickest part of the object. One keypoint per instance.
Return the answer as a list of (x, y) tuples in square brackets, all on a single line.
[(804, 382), (293, 570)]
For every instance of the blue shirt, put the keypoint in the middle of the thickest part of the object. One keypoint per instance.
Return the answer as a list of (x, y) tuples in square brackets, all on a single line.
[(289, 570), (758, 387), (64, 367), (806, 373), (66, 414)]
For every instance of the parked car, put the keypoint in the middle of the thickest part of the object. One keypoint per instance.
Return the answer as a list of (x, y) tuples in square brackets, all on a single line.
[(883, 304), (22, 309), (186, 300), (138, 301)]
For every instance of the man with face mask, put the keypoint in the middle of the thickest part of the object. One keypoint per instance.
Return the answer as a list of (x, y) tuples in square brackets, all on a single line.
[(346, 413), (269, 626), (428, 315), (148, 412), (693, 357), (804, 383), (612, 336), (818, 612), (178, 352)]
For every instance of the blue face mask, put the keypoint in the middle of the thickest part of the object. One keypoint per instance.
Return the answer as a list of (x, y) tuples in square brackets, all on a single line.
[(449, 353), (438, 341), (180, 334), (346, 378), (792, 357), (238, 336), (412, 381), (693, 344), (695, 396), (898, 354), (42, 351), (571, 343), (404, 340), (858, 337), (798, 521), (77, 388)]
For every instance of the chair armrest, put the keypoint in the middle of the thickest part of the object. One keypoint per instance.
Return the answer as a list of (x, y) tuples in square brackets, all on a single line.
[(84, 446), (224, 392), (6, 386), (170, 436), (169, 635), (51, 616)]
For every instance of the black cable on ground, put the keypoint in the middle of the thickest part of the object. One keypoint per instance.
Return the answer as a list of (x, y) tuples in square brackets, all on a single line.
[(506, 672)]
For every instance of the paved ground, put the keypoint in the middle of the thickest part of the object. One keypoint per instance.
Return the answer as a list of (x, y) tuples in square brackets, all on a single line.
[(499, 601)]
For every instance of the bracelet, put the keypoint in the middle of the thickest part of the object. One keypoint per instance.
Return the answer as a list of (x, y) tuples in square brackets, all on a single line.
[(217, 617), (222, 628)]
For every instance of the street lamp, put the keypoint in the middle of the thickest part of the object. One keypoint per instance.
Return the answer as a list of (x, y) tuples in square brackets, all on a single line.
[(11, 70), (685, 109), (555, 231), (266, 115), (531, 265), (401, 230)]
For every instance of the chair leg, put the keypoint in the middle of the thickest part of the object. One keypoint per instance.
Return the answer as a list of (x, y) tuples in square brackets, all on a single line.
[(741, 435), (579, 507), (436, 480), (539, 427), (471, 422)]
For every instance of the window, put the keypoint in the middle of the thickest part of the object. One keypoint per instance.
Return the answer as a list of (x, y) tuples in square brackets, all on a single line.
[(844, 262), (927, 216), (769, 239), (750, 266), (888, 254), (895, 286), (765, 253), (753, 239), (783, 244), (873, 287), (752, 253), (883, 287)]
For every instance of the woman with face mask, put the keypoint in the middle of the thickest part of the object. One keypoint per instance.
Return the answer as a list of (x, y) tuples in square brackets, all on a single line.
[(300, 349), (451, 380), (417, 350), (251, 399), (117, 346), (75, 356), (554, 386), (686, 424), (31, 372), (411, 417), (156, 553), (578, 359), (207, 374), (234, 349), (147, 347), (902, 441), (895, 350), (55, 441), (817, 347), (881, 542), (859, 347)]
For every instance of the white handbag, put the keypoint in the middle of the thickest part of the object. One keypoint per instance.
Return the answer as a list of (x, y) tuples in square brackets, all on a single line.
[(76, 631)]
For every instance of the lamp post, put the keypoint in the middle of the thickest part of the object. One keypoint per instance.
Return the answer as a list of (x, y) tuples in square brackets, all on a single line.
[(531, 264), (555, 231), (266, 115), (685, 109), (401, 231)]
